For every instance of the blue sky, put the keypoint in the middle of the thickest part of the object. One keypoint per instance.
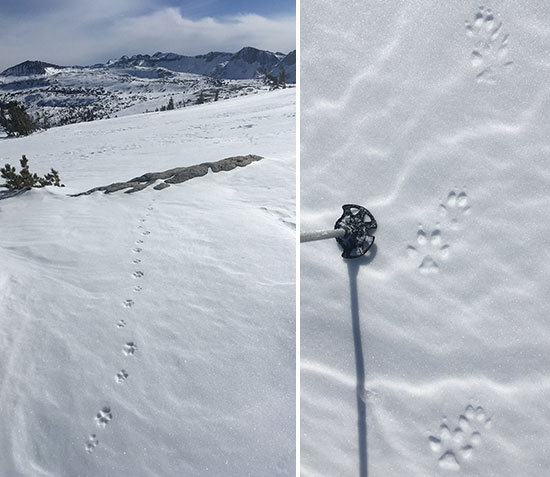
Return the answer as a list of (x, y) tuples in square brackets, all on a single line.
[(69, 32)]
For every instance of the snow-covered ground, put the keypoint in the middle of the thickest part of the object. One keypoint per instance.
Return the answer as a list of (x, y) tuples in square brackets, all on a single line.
[(152, 334), (435, 116)]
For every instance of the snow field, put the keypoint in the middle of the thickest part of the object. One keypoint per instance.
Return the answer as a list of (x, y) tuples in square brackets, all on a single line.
[(152, 333), (433, 116)]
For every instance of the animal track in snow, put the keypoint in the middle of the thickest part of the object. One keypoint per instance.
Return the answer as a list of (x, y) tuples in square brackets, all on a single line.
[(490, 53), (137, 250), (136, 260), (128, 303), (454, 208), (138, 288), (427, 248), (145, 232), (139, 242), (458, 445), (91, 443), (103, 417), (130, 348), (121, 376), (137, 274), (121, 324)]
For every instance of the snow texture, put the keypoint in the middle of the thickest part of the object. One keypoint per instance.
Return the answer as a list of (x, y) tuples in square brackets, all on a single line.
[(152, 334), (430, 356)]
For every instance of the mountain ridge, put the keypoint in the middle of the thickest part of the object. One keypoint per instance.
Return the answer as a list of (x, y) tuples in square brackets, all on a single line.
[(247, 63)]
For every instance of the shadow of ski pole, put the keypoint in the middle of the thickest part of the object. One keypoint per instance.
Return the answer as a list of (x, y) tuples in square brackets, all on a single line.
[(353, 271)]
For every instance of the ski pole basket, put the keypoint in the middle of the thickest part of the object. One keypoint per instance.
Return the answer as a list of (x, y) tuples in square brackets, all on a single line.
[(353, 231)]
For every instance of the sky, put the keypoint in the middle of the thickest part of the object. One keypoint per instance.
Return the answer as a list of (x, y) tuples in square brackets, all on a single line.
[(84, 32)]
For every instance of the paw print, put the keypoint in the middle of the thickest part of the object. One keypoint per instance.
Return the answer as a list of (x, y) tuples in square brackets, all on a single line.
[(490, 53), (121, 376), (458, 445), (103, 417), (130, 348), (428, 247), (91, 443), (454, 208)]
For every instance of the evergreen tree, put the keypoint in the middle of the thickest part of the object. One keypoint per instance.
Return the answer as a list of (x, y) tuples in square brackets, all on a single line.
[(15, 120), (170, 104), (282, 78), (200, 99), (25, 179)]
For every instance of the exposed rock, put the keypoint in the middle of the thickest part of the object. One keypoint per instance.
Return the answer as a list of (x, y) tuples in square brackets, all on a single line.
[(174, 176)]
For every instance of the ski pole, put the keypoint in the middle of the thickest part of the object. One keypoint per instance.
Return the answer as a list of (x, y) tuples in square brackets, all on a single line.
[(322, 235), (353, 231)]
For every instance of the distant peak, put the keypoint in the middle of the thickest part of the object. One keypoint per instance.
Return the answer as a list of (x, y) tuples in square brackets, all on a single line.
[(29, 67)]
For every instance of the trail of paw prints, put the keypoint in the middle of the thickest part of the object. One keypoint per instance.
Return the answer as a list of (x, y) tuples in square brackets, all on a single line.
[(454, 447), (102, 418), (454, 209), (429, 249), (490, 53)]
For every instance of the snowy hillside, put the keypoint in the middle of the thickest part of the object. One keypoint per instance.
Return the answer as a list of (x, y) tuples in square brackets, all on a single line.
[(430, 357), (152, 334)]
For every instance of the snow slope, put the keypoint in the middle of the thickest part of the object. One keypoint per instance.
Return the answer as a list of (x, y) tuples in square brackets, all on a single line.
[(152, 334), (435, 118)]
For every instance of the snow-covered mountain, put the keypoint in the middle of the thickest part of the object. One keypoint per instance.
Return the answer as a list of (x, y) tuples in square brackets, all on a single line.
[(247, 63), (58, 95), (152, 334), (28, 68)]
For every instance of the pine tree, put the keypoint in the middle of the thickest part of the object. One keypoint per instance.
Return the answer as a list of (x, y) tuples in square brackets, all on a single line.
[(25, 179), (15, 120), (282, 78), (170, 104)]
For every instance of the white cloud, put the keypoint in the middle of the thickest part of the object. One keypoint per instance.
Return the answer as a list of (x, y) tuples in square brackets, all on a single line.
[(90, 32)]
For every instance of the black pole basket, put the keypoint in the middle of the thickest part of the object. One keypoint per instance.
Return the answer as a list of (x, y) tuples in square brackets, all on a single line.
[(359, 225)]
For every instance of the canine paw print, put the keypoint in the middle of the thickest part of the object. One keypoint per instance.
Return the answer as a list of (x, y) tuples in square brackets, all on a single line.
[(91, 443), (427, 247), (103, 417), (130, 348), (458, 445), (454, 208), (490, 53), (121, 376)]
